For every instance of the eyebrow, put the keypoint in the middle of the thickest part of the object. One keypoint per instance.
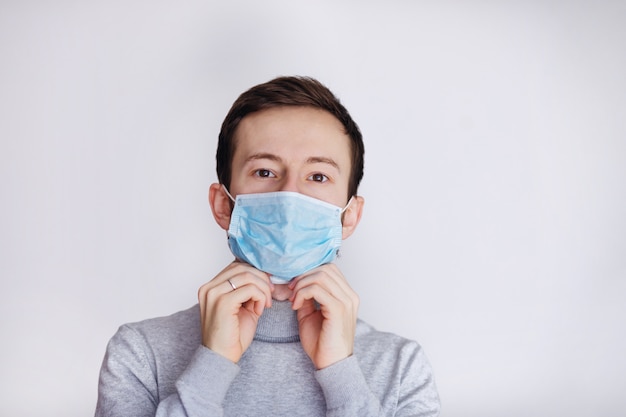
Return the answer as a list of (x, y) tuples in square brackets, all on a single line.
[(310, 160), (323, 160), (263, 155)]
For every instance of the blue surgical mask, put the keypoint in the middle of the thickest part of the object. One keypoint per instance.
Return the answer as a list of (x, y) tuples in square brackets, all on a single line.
[(284, 233)]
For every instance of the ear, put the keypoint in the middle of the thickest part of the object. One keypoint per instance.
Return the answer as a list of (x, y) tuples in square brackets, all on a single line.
[(352, 216), (220, 205)]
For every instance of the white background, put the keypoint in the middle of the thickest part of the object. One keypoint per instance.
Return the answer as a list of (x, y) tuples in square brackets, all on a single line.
[(494, 230)]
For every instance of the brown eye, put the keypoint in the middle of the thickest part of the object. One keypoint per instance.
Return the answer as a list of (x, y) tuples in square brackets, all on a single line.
[(318, 177), (264, 173)]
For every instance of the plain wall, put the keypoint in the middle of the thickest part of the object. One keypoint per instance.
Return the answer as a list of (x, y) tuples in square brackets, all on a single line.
[(494, 230)]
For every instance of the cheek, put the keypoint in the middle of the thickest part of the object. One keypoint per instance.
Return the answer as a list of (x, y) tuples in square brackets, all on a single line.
[(330, 193)]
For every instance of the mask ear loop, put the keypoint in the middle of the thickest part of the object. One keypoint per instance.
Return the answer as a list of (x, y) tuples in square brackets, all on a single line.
[(341, 213), (228, 194), (232, 204), (347, 205)]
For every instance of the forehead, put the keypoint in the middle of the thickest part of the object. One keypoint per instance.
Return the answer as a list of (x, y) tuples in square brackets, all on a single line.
[(293, 133)]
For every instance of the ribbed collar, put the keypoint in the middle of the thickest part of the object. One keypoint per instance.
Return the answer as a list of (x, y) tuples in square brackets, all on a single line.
[(278, 324)]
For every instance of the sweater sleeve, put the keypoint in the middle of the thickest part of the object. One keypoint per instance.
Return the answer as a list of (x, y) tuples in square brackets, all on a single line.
[(346, 390), (128, 382), (418, 395), (347, 393)]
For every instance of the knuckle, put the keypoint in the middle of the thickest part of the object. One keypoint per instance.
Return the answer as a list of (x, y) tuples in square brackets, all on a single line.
[(212, 295), (219, 303), (324, 278), (203, 291), (356, 300)]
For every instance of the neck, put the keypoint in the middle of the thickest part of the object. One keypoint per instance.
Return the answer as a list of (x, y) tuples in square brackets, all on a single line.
[(278, 324), (281, 292)]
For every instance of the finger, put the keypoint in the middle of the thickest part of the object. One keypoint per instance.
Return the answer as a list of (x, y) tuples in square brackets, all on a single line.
[(246, 288), (325, 282), (235, 275), (307, 308), (233, 269), (242, 280), (249, 296), (317, 293), (335, 273), (255, 307), (330, 293), (331, 270)]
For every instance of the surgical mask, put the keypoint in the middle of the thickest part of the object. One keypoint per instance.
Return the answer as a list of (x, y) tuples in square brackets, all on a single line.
[(284, 233)]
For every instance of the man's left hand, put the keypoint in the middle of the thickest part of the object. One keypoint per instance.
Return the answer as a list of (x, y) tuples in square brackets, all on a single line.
[(327, 334)]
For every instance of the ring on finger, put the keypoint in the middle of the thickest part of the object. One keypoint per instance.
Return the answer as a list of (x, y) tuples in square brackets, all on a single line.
[(232, 285)]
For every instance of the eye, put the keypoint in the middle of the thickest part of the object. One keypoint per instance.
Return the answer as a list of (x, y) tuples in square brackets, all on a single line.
[(264, 173), (318, 177)]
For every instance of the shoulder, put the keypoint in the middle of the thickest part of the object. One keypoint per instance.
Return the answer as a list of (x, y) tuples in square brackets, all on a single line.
[(174, 323), (397, 368), (367, 334), (378, 347), (144, 359), (162, 333)]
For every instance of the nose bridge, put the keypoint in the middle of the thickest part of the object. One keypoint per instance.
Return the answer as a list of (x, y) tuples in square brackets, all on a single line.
[(290, 182)]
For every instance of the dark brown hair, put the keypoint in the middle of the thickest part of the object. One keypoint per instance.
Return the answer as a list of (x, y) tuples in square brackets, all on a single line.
[(287, 91)]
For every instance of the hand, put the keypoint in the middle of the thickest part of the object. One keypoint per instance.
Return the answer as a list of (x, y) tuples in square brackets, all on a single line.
[(229, 316), (327, 335)]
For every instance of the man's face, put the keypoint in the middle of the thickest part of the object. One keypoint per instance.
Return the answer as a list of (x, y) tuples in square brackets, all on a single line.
[(301, 149)]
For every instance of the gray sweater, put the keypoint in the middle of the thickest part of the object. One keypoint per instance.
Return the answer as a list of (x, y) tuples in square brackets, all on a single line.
[(158, 367)]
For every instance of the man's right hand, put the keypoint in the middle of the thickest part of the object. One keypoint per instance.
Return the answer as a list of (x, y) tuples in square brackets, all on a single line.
[(229, 315)]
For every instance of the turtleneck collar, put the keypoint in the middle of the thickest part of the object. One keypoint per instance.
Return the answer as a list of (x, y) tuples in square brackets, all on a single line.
[(278, 324)]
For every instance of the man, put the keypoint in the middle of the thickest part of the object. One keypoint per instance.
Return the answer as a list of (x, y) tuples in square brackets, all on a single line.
[(276, 332)]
